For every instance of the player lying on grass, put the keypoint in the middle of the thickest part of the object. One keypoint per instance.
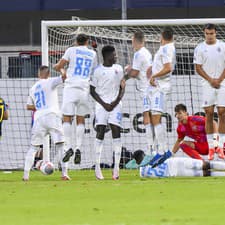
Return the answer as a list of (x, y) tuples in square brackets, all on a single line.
[(194, 128), (184, 167)]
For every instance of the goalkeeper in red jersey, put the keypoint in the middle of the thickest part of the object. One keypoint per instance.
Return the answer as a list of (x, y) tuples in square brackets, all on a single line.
[(194, 128)]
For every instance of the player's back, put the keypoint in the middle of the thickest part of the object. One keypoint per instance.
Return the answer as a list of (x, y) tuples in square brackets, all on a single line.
[(81, 64), (159, 171), (165, 54), (141, 62), (45, 97)]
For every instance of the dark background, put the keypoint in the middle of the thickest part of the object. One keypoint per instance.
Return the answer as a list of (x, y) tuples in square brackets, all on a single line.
[(20, 20)]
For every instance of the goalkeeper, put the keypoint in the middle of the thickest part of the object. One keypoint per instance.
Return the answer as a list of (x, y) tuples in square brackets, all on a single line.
[(194, 128), (4, 114)]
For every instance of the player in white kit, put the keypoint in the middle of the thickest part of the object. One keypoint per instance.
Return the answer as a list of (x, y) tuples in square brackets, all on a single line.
[(43, 99), (209, 60), (81, 61), (184, 167), (160, 88), (142, 61), (107, 88)]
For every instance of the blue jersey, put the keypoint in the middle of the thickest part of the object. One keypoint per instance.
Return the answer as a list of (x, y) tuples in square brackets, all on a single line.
[(159, 171)]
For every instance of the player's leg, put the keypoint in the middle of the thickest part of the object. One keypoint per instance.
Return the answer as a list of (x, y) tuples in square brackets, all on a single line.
[(100, 129), (82, 110), (115, 120), (37, 135), (221, 129), (190, 149), (57, 135), (149, 130), (209, 100), (117, 147), (158, 106), (68, 111)]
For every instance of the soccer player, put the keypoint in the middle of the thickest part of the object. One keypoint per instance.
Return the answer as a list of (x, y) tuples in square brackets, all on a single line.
[(81, 61), (160, 88), (209, 60), (194, 128), (184, 167), (4, 114), (43, 99), (142, 61), (107, 88)]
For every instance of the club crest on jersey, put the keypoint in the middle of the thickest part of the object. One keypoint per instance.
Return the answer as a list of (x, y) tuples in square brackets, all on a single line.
[(116, 72), (219, 49)]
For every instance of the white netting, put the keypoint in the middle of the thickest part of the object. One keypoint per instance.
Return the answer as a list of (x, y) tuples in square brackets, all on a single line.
[(186, 85)]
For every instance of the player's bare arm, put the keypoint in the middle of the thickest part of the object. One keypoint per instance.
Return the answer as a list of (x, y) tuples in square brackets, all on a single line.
[(130, 73), (94, 94), (177, 145), (120, 94), (213, 82), (167, 68), (31, 107)]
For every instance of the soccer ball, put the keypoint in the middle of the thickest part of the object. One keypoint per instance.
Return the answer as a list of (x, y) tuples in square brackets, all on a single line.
[(46, 168)]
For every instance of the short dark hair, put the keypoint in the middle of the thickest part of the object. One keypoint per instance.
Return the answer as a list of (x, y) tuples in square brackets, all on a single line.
[(81, 39), (139, 36), (180, 107), (44, 69), (167, 33), (209, 26), (107, 50)]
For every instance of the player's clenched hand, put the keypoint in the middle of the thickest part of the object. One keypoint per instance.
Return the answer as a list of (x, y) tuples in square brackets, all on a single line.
[(108, 107), (152, 81), (215, 83)]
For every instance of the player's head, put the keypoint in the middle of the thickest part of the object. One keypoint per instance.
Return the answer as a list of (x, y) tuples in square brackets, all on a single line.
[(43, 72), (181, 112), (167, 34), (82, 39), (109, 55), (210, 33), (138, 156), (138, 40)]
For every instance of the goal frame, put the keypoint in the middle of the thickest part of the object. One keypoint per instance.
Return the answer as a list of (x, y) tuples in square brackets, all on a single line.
[(133, 22)]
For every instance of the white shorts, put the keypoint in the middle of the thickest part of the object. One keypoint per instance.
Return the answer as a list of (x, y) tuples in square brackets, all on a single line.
[(184, 167), (75, 102), (48, 124), (102, 117), (155, 101), (212, 96)]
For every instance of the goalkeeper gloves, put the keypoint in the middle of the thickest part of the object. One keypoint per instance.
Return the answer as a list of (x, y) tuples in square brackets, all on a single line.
[(162, 159)]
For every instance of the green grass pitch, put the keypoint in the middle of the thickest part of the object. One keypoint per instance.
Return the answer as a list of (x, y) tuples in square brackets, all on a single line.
[(46, 200)]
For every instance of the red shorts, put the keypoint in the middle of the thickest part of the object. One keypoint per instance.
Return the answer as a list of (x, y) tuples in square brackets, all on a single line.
[(202, 148)]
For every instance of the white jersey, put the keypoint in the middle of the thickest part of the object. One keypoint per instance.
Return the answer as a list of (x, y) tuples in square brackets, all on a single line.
[(82, 61), (43, 95), (107, 80), (173, 167), (165, 54), (212, 59), (142, 61)]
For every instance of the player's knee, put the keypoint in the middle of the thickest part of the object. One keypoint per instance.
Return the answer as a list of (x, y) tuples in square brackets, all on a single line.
[(100, 132), (115, 131), (206, 165)]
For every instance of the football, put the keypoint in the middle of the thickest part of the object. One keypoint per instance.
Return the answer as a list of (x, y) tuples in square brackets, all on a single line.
[(46, 168)]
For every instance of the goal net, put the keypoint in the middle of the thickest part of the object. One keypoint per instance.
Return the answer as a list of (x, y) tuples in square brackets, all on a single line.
[(57, 36)]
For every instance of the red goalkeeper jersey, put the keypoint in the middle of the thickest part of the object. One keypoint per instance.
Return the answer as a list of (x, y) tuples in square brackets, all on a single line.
[(194, 128)]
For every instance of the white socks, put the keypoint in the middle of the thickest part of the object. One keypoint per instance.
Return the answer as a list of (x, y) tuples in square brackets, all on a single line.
[(79, 135), (67, 127), (117, 147), (98, 151), (160, 135), (29, 160), (149, 137)]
